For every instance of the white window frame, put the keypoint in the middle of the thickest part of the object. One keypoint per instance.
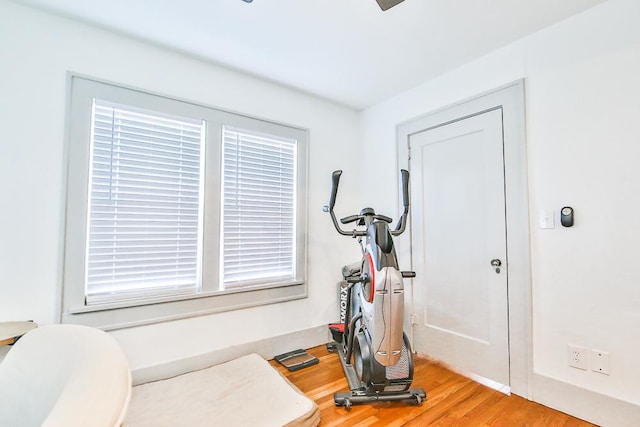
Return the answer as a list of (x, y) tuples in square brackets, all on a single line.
[(211, 297)]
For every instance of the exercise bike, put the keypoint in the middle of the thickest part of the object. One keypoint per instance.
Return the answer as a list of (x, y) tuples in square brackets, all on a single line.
[(374, 351)]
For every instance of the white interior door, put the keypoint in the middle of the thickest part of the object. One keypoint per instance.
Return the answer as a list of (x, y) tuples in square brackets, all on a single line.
[(458, 228)]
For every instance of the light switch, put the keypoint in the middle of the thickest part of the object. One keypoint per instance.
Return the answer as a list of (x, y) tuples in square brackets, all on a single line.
[(547, 219)]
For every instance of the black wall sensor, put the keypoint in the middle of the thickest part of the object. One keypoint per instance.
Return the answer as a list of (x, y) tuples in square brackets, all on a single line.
[(566, 216)]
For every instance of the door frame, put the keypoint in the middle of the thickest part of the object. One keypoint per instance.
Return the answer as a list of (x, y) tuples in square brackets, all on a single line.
[(510, 99)]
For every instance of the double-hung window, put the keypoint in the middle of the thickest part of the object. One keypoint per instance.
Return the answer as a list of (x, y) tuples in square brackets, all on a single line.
[(177, 209)]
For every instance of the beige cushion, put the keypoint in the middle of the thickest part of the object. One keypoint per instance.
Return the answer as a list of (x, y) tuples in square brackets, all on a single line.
[(64, 375), (243, 392)]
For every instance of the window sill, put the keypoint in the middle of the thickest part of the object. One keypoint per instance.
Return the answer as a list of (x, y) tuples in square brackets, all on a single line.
[(128, 314)]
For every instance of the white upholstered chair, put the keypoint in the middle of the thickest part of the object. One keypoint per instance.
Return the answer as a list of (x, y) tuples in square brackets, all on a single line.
[(64, 375)]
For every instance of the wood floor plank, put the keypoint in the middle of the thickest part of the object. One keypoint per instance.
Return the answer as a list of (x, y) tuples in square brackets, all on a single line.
[(452, 400), (475, 414)]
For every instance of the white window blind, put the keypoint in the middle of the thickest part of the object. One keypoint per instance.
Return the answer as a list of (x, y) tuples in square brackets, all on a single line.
[(144, 203), (259, 222)]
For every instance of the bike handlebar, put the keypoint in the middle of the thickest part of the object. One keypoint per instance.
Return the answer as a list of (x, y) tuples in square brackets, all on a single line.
[(402, 223), (354, 218), (405, 187), (335, 180), (350, 218)]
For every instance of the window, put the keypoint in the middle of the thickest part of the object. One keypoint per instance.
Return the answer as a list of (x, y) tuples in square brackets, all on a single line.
[(259, 208), (176, 209), (144, 210)]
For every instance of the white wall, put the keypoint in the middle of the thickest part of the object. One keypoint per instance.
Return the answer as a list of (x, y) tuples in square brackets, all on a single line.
[(36, 51), (583, 118), (583, 133)]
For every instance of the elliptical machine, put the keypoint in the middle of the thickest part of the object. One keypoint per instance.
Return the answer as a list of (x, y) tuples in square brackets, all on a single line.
[(374, 351)]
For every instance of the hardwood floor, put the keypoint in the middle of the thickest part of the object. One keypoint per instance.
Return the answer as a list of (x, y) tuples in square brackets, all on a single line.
[(452, 400)]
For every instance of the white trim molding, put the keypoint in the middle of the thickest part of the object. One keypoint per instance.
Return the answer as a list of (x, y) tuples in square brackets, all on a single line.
[(588, 405)]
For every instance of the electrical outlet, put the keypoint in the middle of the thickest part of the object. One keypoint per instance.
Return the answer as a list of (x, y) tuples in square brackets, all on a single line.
[(578, 357), (600, 362)]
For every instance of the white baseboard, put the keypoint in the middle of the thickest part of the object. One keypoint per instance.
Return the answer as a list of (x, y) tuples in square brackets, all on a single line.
[(266, 348), (585, 404)]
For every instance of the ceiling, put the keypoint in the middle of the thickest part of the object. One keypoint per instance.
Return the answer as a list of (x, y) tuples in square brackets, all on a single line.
[(348, 51)]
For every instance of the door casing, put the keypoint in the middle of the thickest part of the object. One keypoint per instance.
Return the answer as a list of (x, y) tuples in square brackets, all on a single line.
[(511, 99)]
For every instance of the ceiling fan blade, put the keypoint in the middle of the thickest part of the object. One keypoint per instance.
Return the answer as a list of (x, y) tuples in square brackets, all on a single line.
[(386, 4)]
